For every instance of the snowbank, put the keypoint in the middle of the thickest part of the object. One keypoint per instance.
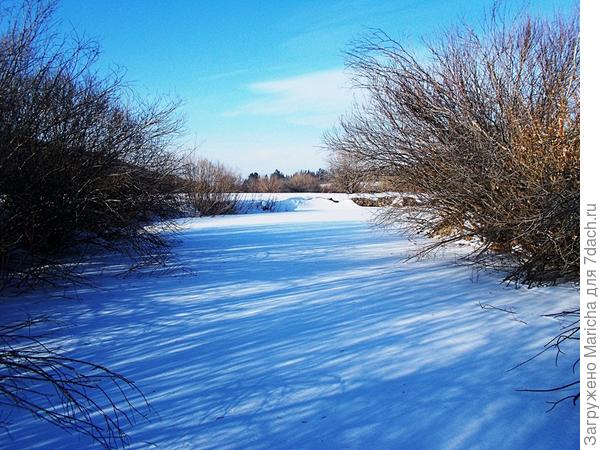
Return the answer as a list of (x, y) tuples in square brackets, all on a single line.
[(285, 202), (306, 329)]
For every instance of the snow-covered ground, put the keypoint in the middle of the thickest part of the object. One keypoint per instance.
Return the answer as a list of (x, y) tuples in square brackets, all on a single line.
[(307, 329)]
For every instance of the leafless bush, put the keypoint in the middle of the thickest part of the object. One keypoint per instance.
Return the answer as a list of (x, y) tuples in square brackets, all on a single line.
[(486, 130), (212, 187), (269, 183), (303, 182), (70, 393), (84, 163), (349, 173)]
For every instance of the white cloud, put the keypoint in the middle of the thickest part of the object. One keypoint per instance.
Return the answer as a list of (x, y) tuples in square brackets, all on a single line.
[(314, 99)]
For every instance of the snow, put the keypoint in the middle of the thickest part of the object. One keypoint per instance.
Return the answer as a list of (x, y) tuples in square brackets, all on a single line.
[(308, 329), (285, 202)]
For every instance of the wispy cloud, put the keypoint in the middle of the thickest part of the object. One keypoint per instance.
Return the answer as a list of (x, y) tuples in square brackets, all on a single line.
[(222, 75), (313, 99)]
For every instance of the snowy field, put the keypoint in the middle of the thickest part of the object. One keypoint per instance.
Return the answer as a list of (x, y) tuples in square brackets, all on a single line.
[(307, 329)]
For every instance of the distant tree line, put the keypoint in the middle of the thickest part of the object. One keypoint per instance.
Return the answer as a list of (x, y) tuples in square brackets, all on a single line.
[(211, 188), (301, 181), (208, 182)]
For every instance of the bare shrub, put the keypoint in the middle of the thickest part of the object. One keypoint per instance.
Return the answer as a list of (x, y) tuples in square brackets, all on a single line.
[(212, 188), (85, 166), (84, 163), (486, 130), (303, 182), (349, 173), (269, 183)]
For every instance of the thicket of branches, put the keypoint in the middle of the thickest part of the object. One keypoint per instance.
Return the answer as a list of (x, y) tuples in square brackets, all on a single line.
[(212, 188), (349, 174), (485, 128), (67, 392), (84, 163), (85, 166)]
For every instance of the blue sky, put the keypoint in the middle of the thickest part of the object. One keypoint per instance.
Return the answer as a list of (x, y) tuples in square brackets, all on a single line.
[(260, 80)]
